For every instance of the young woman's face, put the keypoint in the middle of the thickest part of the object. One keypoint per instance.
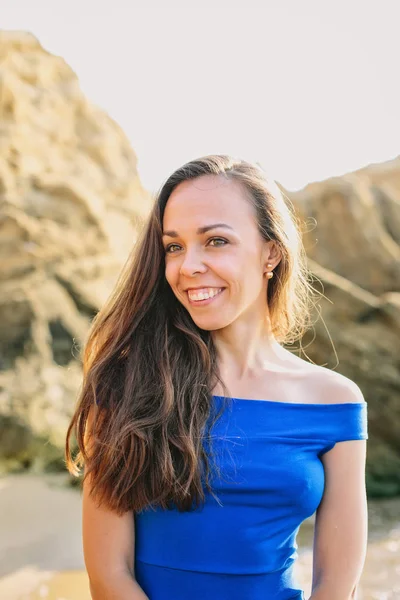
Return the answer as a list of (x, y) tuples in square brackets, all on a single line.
[(227, 260)]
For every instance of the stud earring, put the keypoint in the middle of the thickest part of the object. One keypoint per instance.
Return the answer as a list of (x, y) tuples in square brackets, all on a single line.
[(270, 274)]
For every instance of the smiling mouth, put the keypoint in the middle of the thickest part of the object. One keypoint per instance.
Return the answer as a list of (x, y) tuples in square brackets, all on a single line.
[(204, 301)]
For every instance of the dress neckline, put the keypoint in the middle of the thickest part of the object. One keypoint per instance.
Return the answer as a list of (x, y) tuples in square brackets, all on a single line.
[(278, 402)]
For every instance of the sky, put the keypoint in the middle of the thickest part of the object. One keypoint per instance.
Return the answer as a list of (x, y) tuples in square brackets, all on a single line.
[(308, 89)]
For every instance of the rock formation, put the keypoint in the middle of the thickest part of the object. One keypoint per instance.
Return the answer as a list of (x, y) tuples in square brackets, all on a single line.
[(71, 206)]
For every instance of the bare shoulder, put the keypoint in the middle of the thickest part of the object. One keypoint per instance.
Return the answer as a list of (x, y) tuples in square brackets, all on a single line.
[(333, 387)]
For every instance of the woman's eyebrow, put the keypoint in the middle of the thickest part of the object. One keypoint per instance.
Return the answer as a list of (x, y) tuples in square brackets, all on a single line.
[(172, 233)]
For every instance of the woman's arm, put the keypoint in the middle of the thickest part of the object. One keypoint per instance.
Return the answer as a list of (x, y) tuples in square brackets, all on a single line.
[(108, 548), (123, 587), (108, 545), (341, 525)]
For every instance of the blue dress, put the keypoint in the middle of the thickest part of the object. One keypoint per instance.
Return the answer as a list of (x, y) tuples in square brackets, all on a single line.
[(244, 548)]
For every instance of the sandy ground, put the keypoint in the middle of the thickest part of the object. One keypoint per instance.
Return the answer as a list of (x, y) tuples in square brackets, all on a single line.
[(40, 523), (41, 546)]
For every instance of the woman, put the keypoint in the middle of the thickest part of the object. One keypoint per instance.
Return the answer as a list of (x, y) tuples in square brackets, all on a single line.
[(206, 443)]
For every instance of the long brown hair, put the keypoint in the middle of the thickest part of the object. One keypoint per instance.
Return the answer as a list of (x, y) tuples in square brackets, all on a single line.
[(149, 371)]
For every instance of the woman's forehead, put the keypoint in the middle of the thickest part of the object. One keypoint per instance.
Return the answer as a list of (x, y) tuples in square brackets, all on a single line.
[(205, 194), (201, 213)]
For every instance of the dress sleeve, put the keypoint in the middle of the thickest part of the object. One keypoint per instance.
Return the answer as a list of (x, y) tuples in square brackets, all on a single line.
[(348, 422), (355, 423)]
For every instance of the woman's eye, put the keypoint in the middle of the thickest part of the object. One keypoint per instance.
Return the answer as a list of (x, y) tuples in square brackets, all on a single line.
[(219, 240), (168, 248)]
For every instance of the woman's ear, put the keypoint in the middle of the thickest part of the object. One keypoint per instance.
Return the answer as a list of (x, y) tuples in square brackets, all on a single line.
[(272, 256)]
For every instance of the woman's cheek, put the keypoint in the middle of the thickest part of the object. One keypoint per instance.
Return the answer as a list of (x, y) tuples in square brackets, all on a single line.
[(170, 276)]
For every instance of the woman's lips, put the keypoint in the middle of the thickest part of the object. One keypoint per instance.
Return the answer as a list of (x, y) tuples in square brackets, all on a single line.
[(206, 301)]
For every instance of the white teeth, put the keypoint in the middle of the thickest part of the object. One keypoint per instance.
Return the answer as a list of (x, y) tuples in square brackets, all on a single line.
[(203, 295)]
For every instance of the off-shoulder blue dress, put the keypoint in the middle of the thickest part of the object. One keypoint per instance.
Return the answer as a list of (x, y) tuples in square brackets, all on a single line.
[(244, 547)]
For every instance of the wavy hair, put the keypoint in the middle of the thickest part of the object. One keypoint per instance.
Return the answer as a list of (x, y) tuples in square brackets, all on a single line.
[(145, 406)]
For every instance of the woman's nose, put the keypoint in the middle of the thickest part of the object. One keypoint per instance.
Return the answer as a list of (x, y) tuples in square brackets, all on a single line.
[(191, 263)]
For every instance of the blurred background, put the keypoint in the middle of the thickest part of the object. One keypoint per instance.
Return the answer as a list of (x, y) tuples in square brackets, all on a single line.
[(99, 103)]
